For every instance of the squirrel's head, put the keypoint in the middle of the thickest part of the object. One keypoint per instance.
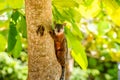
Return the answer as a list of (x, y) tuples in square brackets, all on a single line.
[(59, 28)]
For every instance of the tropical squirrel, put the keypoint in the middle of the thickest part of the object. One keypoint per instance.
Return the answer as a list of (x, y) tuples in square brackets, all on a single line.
[(60, 47)]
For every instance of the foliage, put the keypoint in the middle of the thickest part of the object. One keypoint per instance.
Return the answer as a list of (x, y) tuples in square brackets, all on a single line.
[(12, 69), (14, 38), (105, 71), (63, 12), (92, 29), (101, 42), (14, 24), (17, 31)]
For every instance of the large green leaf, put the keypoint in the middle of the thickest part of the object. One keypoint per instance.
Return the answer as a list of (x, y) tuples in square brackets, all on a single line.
[(65, 3), (12, 31), (78, 51), (18, 47), (14, 40), (12, 36)]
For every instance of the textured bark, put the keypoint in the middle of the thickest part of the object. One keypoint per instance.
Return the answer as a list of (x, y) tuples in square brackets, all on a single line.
[(42, 62)]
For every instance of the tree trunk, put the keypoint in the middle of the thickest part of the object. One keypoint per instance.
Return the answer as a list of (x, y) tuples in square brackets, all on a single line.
[(42, 62)]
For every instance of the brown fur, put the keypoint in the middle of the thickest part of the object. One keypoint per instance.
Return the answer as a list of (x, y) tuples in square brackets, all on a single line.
[(60, 49)]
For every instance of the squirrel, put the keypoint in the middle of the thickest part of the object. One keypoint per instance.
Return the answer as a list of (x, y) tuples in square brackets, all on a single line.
[(60, 43)]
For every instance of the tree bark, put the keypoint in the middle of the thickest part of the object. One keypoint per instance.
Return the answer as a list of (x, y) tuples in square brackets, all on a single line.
[(42, 62)]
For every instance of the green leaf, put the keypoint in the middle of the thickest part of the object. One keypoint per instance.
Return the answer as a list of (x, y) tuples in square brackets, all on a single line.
[(18, 47), (76, 30), (14, 40), (22, 26), (78, 51), (15, 16), (12, 31), (75, 14), (56, 14), (66, 15), (2, 43), (65, 3), (12, 36)]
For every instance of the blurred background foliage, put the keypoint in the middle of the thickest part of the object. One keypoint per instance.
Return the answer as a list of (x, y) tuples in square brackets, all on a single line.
[(92, 33)]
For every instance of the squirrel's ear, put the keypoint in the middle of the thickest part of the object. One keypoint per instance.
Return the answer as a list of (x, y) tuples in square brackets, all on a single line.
[(64, 24)]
